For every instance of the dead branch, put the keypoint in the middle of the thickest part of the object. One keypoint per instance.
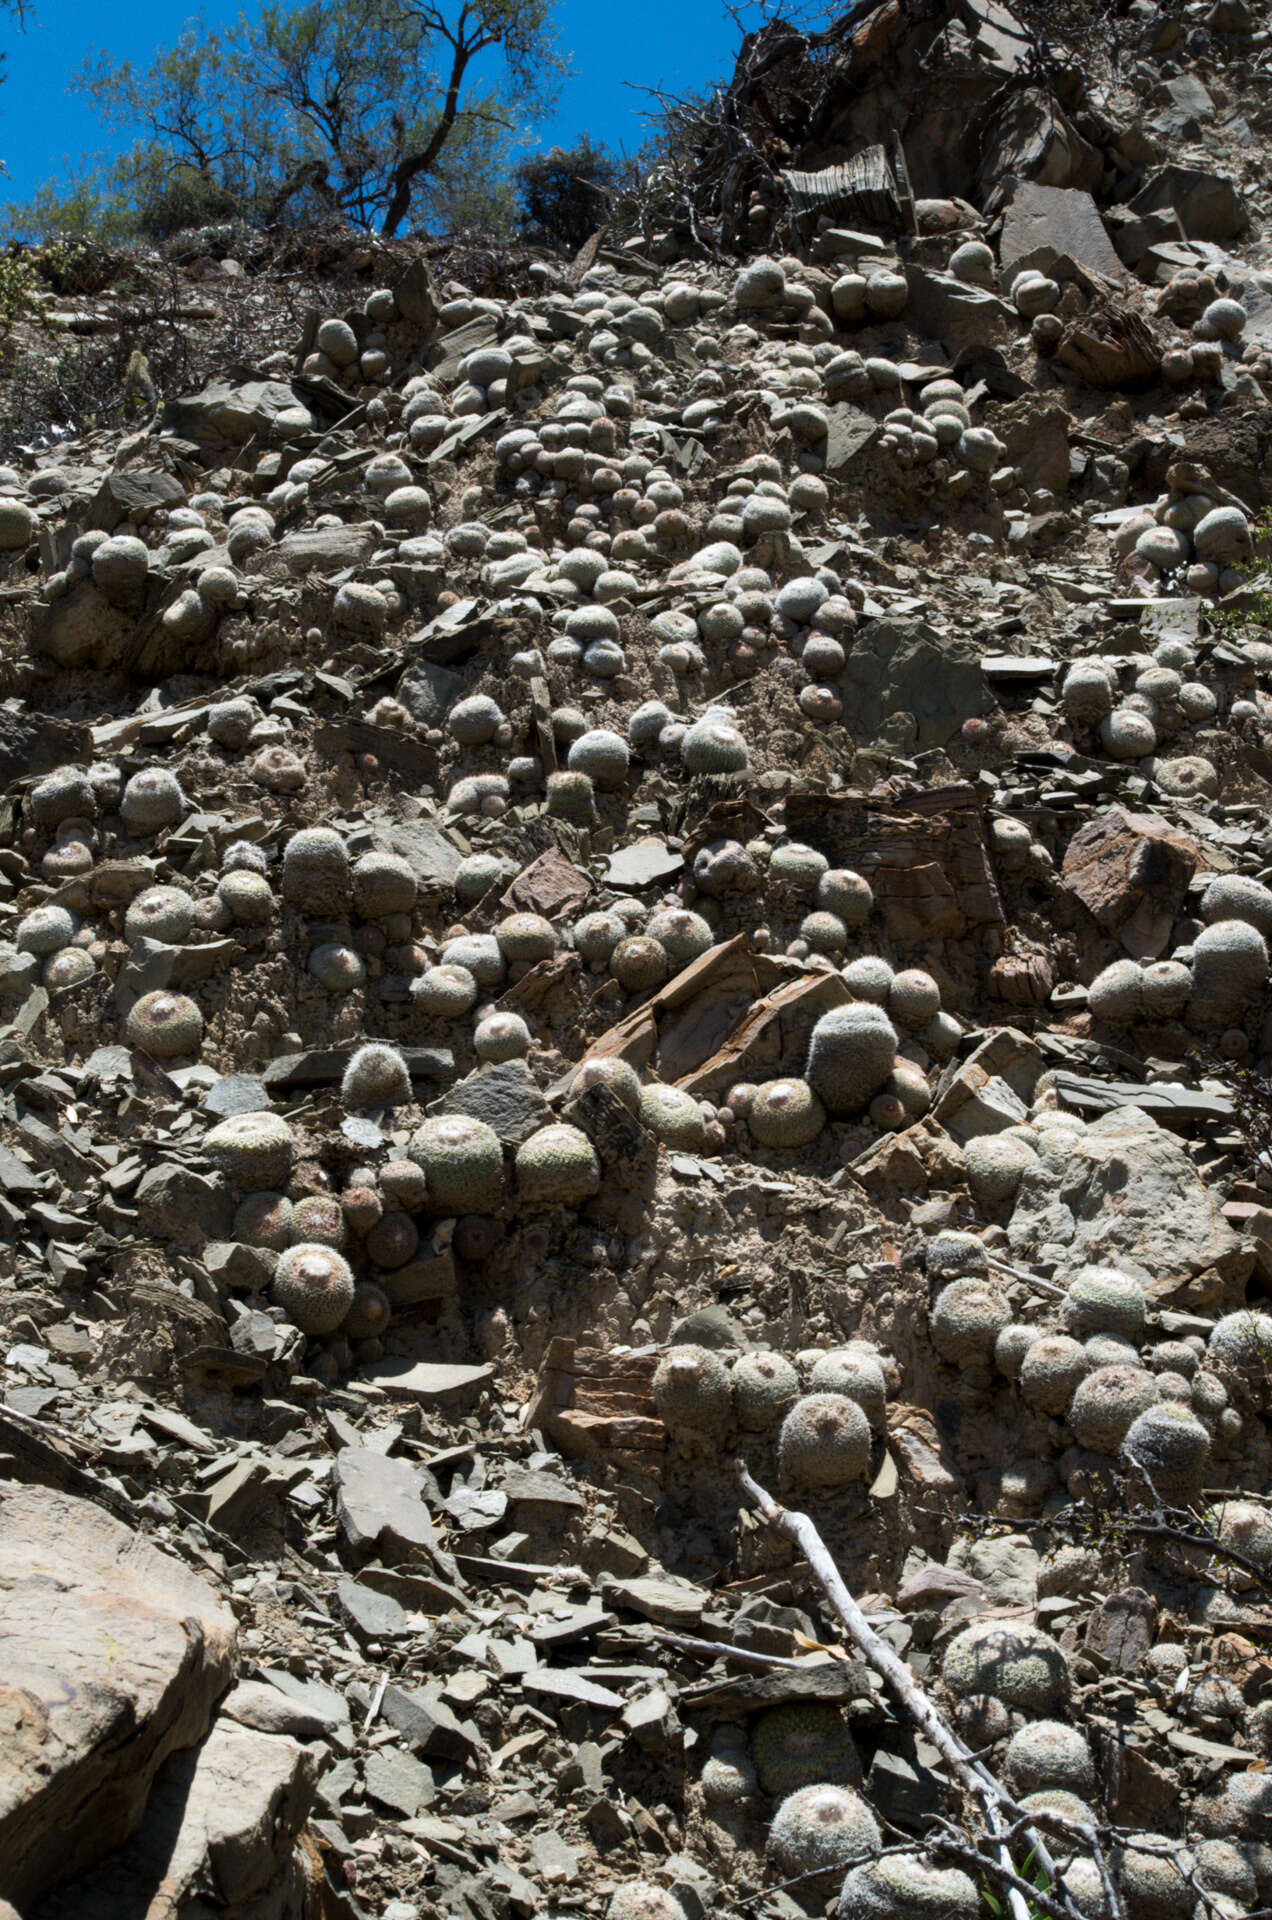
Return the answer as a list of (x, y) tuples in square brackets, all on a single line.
[(998, 1808)]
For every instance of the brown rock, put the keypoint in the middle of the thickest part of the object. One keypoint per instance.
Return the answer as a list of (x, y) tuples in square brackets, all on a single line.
[(1131, 872)]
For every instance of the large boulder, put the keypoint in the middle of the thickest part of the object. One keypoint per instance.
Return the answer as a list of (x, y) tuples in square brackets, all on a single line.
[(225, 1815), (1124, 1192), (112, 1656)]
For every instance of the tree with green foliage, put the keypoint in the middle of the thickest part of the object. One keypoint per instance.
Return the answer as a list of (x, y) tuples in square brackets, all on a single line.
[(381, 113), (564, 194)]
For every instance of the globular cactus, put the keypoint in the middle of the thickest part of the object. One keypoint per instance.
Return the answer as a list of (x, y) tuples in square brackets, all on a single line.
[(869, 977), (850, 1055), (914, 998), (1047, 1753), (639, 963), (247, 897), (714, 746), (1052, 1369), (856, 1373), (822, 1829), (801, 1744), (383, 884), (765, 1388), (254, 1151), (480, 955), (314, 1287), (1168, 1445), (602, 756), (444, 993), (1151, 1883), (1246, 1527), (151, 801), (44, 930), (824, 1442), (462, 1162), (376, 1076), (337, 967), (905, 1886), (966, 1320), (608, 1070), (1230, 970), (319, 1218), (643, 1900), (1102, 1300), (786, 1114), (1242, 1341), (557, 1167), (681, 933), (370, 1312), (1117, 994), (316, 871), (157, 913), (996, 1164), (673, 1117), (1107, 1403), (167, 1026), (1236, 896), (265, 1220), (1018, 1664), (526, 938), (65, 794), (501, 1036), (798, 867), (693, 1391)]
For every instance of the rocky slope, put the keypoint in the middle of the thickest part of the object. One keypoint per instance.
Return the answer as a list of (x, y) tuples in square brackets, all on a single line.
[(655, 864)]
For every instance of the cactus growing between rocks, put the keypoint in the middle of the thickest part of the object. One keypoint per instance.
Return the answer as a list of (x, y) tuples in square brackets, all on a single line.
[(824, 1442), (557, 1167), (314, 1286), (376, 1076), (850, 1055), (462, 1162), (803, 1744), (693, 1391), (822, 1829), (167, 1026)]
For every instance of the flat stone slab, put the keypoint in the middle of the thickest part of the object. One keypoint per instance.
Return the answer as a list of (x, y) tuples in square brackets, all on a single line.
[(380, 1501), (430, 1381), (1056, 221), (111, 1657)]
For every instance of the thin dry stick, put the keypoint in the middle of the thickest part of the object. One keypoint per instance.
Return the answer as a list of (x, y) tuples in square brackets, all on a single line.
[(997, 1805)]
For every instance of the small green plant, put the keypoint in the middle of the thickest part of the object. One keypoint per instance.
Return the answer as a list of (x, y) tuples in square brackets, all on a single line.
[(1037, 1878), (1242, 623), (25, 274)]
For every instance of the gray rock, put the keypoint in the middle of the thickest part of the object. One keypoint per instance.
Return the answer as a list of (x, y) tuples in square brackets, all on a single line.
[(428, 691), (226, 412), (1055, 221), (1208, 204), (504, 1095), (226, 1814), (380, 1504), (266, 1708), (429, 1725), (1124, 1192), (398, 1781), (917, 685), (87, 1734), (236, 1093), (372, 1615), (957, 315)]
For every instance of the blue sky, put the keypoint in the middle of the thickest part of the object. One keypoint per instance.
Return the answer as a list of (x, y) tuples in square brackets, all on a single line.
[(676, 44)]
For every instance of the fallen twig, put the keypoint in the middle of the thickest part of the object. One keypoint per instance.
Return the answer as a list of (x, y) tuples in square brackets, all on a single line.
[(997, 1805)]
